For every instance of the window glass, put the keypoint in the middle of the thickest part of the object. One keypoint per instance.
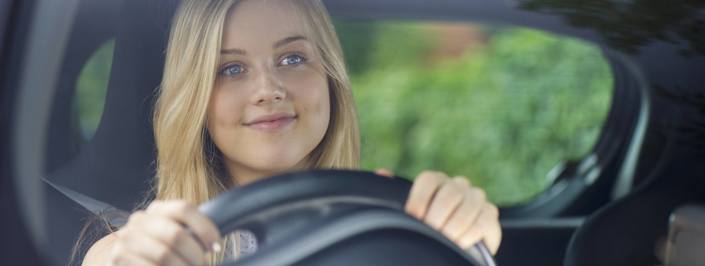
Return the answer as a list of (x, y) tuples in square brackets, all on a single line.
[(91, 89), (500, 105)]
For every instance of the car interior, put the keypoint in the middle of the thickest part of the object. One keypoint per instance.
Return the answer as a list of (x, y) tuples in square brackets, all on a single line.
[(611, 207)]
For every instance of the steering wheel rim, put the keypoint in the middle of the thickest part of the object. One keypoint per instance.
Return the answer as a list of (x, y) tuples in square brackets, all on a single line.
[(241, 207), (303, 186)]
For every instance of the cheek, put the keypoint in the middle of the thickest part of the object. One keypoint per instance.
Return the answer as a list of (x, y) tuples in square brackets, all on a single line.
[(224, 109), (325, 107), (313, 93), (321, 105)]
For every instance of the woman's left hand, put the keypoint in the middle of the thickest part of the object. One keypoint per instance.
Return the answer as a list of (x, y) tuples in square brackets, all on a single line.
[(455, 208)]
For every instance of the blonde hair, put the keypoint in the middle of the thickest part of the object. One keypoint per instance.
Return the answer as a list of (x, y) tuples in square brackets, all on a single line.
[(188, 163)]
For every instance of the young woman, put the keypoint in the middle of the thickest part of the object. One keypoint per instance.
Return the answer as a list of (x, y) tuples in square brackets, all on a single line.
[(250, 89)]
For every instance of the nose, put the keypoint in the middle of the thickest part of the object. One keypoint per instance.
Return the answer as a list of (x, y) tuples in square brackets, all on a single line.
[(269, 89)]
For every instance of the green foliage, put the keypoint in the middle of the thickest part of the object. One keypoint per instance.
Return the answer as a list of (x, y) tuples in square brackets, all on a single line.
[(504, 115), (92, 87)]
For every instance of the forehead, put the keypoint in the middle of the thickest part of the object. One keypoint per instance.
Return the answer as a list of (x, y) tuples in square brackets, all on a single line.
[(256, 22)]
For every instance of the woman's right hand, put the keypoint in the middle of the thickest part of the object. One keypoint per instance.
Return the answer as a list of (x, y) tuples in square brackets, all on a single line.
[(166, 233)]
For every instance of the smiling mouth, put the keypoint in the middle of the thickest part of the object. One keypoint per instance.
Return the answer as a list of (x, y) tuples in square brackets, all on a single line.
[(273, 124)]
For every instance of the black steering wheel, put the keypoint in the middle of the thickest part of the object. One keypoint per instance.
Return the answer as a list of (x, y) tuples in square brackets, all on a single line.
[(334, 216)]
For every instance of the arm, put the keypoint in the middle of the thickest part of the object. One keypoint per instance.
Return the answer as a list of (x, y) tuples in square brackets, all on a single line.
[(98, 253)]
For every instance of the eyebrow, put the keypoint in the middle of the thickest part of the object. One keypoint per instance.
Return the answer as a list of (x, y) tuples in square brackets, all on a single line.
[(276, 45), (288, 40), (233, 51)]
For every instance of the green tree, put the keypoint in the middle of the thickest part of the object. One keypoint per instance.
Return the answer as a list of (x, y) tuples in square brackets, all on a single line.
[(503, 115)]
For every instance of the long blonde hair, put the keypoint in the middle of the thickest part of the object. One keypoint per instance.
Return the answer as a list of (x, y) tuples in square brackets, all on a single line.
[(189, 166)]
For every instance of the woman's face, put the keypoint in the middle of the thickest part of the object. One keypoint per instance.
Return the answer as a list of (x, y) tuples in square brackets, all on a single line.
[(270, 105)]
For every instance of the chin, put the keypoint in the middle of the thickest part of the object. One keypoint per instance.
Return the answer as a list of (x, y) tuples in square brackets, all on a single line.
[(278, 164)]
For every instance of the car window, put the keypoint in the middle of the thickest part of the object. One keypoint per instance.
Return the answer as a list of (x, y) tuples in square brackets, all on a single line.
[(91, 89), (501, 105)]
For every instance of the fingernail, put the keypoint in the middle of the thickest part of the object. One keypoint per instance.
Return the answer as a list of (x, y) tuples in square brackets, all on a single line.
[(216, 247)]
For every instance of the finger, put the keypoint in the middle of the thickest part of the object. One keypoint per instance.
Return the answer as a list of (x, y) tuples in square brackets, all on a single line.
[(445, 202), (186, 213), (176, 236), (151, 249), (463, 181), (384, 172), (466, 214), (422, 191), (486, 227), (494, 238)]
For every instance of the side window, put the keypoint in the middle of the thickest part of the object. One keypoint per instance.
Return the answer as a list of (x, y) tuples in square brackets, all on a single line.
[(91, 89), (501, 105)]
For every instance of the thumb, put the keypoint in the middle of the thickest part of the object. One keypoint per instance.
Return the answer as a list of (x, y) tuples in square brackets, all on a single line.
[(384, 172)]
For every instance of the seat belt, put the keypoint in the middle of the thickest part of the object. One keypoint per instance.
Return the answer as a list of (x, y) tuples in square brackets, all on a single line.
[(114, 216)]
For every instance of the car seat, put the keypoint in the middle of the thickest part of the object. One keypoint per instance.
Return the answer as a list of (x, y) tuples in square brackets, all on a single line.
[(628, 230)]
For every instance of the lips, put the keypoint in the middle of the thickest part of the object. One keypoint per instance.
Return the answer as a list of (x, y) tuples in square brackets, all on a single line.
[(271, 122)]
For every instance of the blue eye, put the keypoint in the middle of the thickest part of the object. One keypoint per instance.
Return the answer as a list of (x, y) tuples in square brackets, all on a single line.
[(293, 59), (232, 70)]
